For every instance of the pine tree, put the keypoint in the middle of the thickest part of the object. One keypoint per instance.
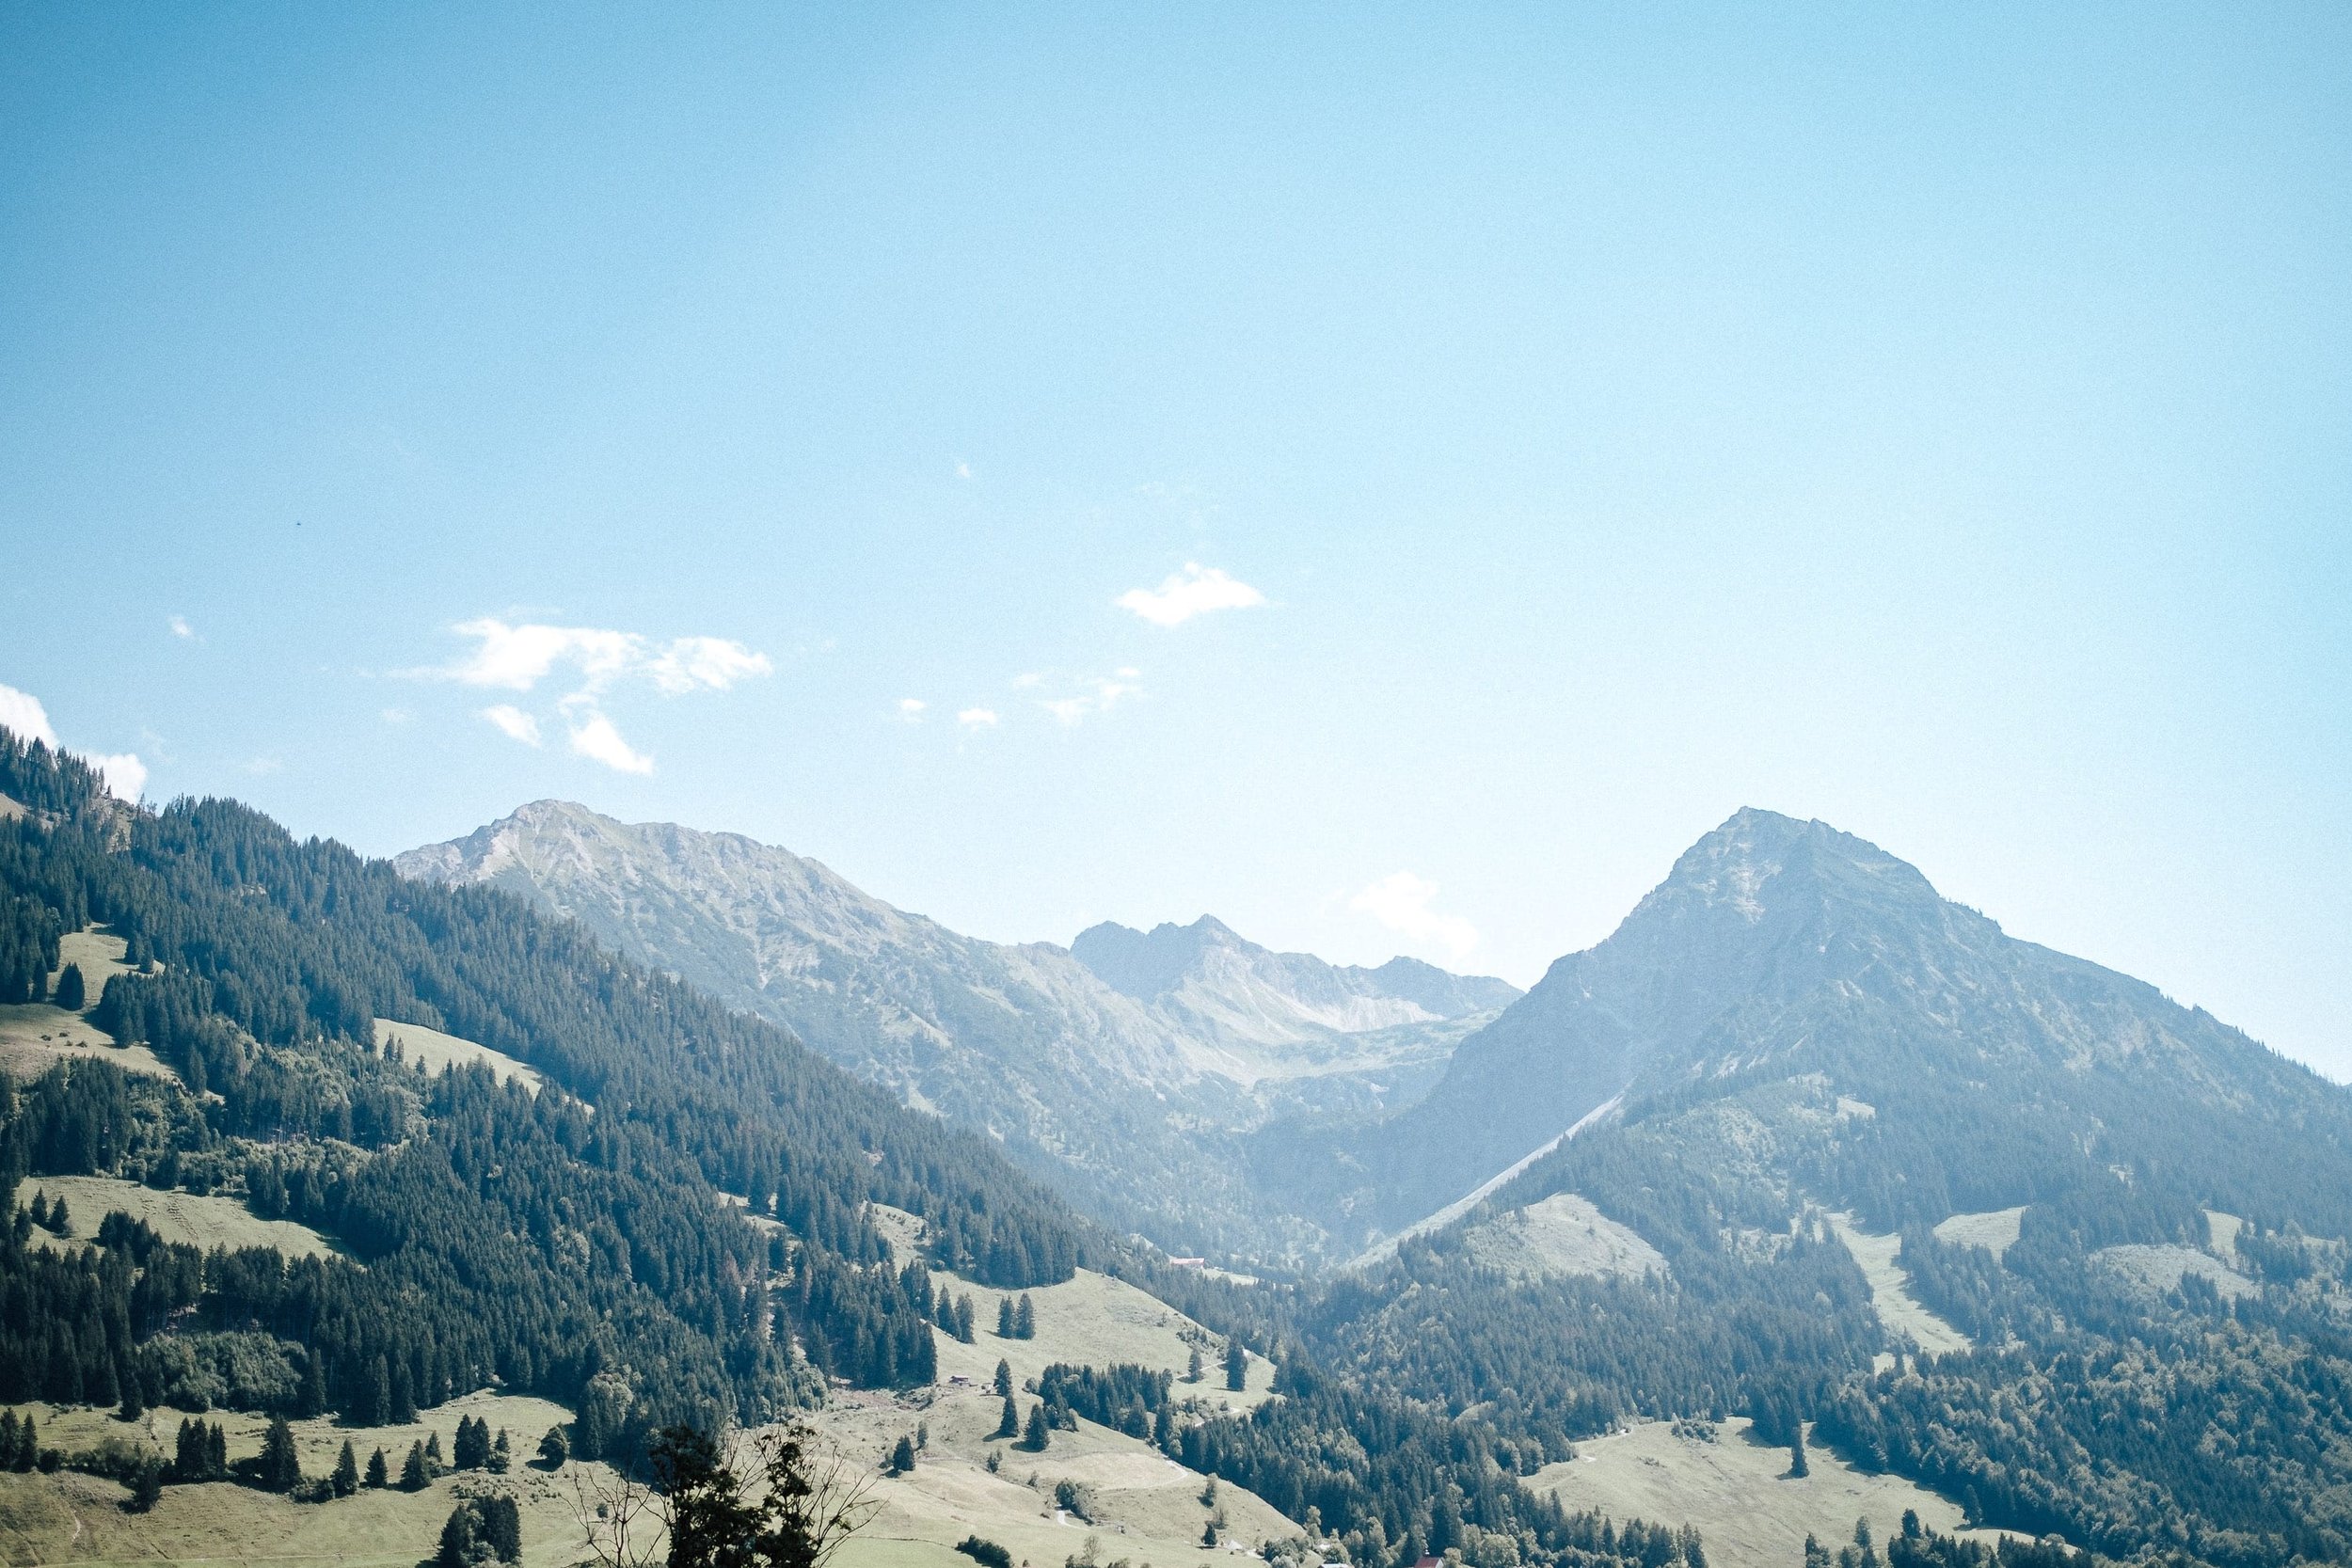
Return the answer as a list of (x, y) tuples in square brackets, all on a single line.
[(379, 1473), (41, 1216), (1236, 1366), (902, 1457), (216, 1450), (281, 1466), (501, 1454), (1024, 1316), (1004, 1304), (433, 1456), (346, 1477), (502, 1528), (414, 1476), (1797, 1466), (188, 1456), (471, 1450), (1036, 1435), (70, 990), (1008, 1425), (1004, 1378), (963, 1318), (456, 1538)]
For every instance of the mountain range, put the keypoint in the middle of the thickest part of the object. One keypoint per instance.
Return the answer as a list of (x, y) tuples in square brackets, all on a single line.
[(1129, 1067)]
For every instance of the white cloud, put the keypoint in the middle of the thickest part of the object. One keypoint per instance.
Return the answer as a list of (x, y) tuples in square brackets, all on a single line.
[(963, 470), (513, 723), (397, 715), (1402, 903), (180, 627), (520, 658), (911, 709), (977, 718), (125, 775), (595, 739), (22, 712), (1100, 694), (1195, 591)]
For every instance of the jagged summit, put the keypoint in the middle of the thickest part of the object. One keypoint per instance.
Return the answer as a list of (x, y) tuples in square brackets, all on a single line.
[(1159, 965)]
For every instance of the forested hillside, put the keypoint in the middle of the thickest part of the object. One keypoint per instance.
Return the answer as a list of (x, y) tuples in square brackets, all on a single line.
[(2161, 1359), (575, 1243)]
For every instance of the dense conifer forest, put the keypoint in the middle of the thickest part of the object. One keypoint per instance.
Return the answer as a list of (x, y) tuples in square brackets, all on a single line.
[(574, 1242)]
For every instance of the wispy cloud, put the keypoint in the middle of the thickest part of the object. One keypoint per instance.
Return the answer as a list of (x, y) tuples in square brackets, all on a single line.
[(911, 709), (592, 660), (1095, 694), (595, 739), (977, 718), (1195, 591), (180, 627), (513, 723), (520, 658), (1402, 902)]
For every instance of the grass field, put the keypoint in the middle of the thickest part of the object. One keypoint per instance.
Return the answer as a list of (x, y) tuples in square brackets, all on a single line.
[(68, 1518), (1995, 1231), (202, 1221), (1750, 1513), (1148, 1509), (34, 1035), (1890, 1289), (433, 1050), (1563, 1234)]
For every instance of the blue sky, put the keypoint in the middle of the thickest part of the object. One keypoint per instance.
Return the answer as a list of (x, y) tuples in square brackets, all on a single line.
[(1590, 419)]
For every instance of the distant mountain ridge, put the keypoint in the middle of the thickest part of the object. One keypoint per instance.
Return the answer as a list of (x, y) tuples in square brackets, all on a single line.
[(1781, 947), (1128, 1088)]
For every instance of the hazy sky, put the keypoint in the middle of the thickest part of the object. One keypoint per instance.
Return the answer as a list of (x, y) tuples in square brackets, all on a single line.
[(1390, 478)]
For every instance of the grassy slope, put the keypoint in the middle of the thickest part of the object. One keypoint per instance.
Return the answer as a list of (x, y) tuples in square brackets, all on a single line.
[(434, 1050), (1890, 1289), (33, 1035), (202, 1221), (1748, 1509), (1150, 1506), (77, 1518)]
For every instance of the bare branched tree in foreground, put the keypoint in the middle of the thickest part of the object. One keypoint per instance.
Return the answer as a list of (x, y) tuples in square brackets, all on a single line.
[(777, 1499)]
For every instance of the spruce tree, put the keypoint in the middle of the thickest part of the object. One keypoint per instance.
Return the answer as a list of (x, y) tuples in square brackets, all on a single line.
[(146, 1488), (1037, 1435), (902, 1457), (456, 1538), (1236, 1366), (1797, 1466), (1008, 1425), (1004, 1304), (553, 1450), (281, 1466), (188, 1462), (379, 1473), (1024, 1316), (1192, 1366), (346, 1477), (70, 990), (501, 1454), (133, 1406), (433, 1456), (502, 1528), (413, 1475), (1004, 1378), (963, 1318), (216, 1450)]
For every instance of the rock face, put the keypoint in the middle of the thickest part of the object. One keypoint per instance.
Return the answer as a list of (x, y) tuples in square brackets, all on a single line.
[(1125, 1071), (1777, 948)]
